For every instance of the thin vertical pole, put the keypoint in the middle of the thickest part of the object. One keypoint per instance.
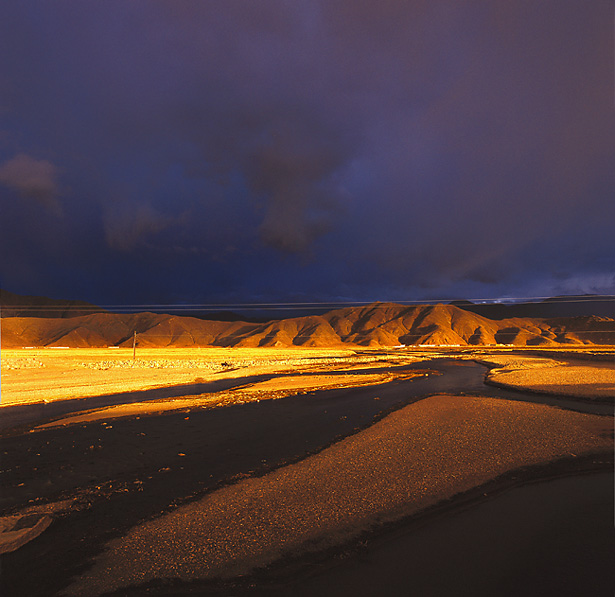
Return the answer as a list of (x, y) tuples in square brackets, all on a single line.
[(134, 347)]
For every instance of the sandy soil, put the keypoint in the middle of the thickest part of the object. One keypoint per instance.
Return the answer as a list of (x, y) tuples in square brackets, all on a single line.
[(553, 376), (271, 389), (426, 452), (43, 375), (137, 467), (46, 374)]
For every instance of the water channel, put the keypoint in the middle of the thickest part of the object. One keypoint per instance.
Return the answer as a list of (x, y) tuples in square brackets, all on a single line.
[(552, 538), (221, 444), (450, 376)]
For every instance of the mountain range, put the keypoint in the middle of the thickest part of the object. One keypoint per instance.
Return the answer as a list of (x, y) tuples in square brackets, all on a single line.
[(378, 324)]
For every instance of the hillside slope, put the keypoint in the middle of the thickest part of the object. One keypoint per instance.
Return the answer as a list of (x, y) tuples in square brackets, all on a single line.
[(378, 324)]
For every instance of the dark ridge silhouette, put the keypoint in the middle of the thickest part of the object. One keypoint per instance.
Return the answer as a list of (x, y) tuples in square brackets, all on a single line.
[(557, 306), (18, 305)]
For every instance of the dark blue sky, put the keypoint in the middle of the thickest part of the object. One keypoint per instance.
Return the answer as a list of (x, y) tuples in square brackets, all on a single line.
[(168, 151)]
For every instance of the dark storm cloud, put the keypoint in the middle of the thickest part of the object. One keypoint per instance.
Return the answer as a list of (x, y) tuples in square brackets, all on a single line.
[(129, 224), (32, 178), (338, 148)]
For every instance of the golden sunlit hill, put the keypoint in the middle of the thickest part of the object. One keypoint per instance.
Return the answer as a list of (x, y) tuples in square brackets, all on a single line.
[(378, 324)]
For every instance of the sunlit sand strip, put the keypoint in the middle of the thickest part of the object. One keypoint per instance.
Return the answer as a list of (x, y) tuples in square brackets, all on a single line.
[(553, 377), (424, 453), (45, 375), (267, 390), (520, 362)]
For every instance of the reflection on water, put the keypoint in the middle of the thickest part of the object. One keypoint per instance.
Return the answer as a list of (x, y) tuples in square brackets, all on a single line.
[(551, 538)]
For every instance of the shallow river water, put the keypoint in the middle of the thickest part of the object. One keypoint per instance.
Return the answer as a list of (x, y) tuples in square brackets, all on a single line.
[(453, 376), (552, 538), (148, 464)]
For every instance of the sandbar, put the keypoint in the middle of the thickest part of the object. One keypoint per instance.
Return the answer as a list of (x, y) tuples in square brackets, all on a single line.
[(426, 452), (271, 389), (555, 377)]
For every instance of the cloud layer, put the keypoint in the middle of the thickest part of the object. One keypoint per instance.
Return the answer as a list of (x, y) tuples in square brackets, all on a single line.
[(36, 179), (318, 150)]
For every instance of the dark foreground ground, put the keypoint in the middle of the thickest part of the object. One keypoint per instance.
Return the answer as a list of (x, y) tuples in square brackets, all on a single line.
[(135, 470)]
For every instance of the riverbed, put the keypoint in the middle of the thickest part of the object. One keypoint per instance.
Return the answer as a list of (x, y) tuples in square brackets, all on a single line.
[(139, 467)]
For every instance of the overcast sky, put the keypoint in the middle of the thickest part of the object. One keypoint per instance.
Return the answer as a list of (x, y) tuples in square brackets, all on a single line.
[(167, 151)]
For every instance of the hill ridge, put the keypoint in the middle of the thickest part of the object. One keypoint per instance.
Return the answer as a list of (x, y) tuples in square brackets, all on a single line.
[(377, 324)]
